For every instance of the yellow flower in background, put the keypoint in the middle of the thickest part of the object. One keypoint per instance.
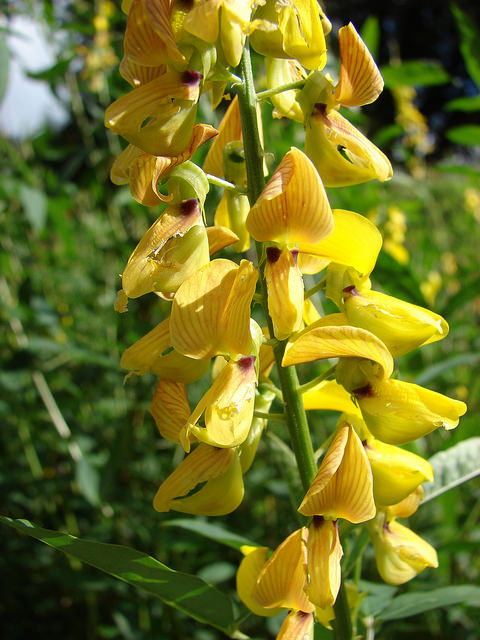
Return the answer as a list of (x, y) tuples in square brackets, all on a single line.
[(290, 29)]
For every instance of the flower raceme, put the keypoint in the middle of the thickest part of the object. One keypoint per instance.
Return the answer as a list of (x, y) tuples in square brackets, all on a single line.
[(174, 52)]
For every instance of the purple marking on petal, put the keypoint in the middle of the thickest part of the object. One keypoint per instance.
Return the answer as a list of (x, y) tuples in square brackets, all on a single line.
[(247, 362), (191, 77), (189, 207), (294, 253), (352, 290), (273, 254), (364, 392)]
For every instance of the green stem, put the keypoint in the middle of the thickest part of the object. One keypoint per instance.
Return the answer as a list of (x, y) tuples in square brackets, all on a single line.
[(262, 95), (313, 383), (295, 415), (274, 417), (318, 287), (219, 182)]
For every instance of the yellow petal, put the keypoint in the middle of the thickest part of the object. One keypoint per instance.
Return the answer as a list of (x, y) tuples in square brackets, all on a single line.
[(354, 241), (230, 129), (158, 117), (398, 412), (360, 80), (220, 237), (158, 14), (399, 552), (232, 212), (293, 207), (343, 486), (329, 395), (172, 249), (285, 292), (400, 325), (170, 409), (281, 72), (396, 472), (282, 581), (247, 575), (211, 310), (141, 43), (137, 74), (147, 355), (324, 553), (228, 405), (310, 313), (248, 448), (325, 134), (320, 341), (298, 625), (202, 465), (406, 507)]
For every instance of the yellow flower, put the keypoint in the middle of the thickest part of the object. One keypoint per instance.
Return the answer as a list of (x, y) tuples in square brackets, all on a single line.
[(158, 117), (400, 325), (400, 554), (398, 412), (221, 471), (211, 311), (291, 29), (142, 171), (174, 247), (343, 486)]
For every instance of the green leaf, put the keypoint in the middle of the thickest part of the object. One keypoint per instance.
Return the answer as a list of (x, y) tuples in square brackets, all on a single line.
[(415, 73), (183, 591), (453, 467), (34, 204), (378, 596), (468, 134), (4, 62), (466, 103), (469, 42), (211, 531), (436, 369), (370, 33), (458, 168), (410, 604)]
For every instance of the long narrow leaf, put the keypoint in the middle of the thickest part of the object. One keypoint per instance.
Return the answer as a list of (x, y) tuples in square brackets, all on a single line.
[(183, 591), (410, 604), (211, 531)]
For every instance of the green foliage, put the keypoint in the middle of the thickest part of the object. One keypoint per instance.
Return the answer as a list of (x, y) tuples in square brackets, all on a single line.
[(415, 73)]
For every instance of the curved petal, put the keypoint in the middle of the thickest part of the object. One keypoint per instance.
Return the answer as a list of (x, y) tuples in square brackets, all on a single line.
[(141, 43), (137, 74), (325, 134), (285, 292), (400, 325), (232, 211), (360, 80), (247, 575), (228, 406), (329, 395), (280, 71), (230, 129), (293, 207), (324, 553), (354, 241), (396, 472), (343, 486), (211, 310), (158, 14), (398, 412), (202, 465), (319, 341), (296, 625), (170, 409), (282, 581), (220, 237)]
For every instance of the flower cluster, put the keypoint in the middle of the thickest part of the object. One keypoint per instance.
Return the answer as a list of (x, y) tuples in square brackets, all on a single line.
[(175, 51)]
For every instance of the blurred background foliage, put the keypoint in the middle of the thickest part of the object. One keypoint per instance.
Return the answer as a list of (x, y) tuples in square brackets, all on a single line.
[(80, 451)]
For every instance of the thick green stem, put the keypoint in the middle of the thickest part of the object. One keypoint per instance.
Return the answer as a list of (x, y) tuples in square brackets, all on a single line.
[(295, 413)]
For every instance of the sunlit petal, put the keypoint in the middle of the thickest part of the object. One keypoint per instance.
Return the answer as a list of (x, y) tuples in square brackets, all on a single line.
[(285, 292), (282, 581), (220, 237), (293, 207), (211, 310), (247, 575), (230, 129), (324, 553), (329, 395), (298, 625), (343, 486), (170, 409), (360, 80)]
